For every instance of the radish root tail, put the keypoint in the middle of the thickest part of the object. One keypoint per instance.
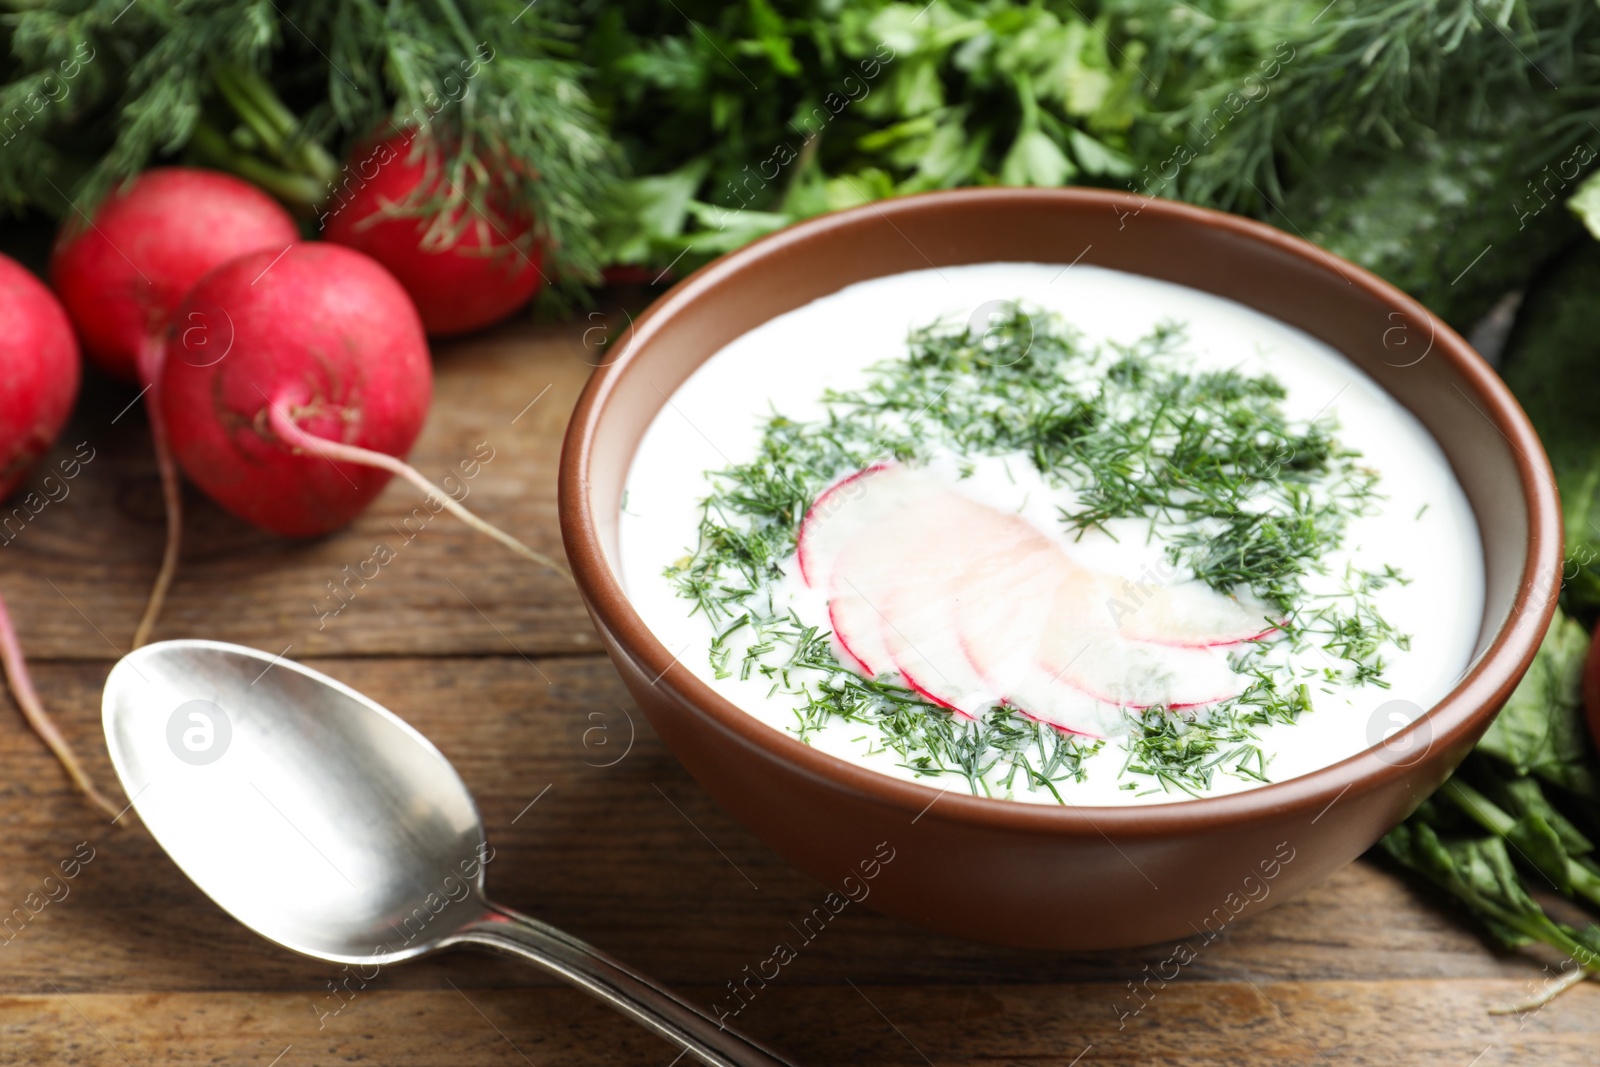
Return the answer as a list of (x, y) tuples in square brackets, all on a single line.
[(171, 493), (1545, 995), (16, 669), (282, 422)]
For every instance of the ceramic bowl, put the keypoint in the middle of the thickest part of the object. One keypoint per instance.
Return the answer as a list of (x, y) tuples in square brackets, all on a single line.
[(1029, 874)]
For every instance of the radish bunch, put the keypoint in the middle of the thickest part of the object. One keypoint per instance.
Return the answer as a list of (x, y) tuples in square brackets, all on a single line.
[(973, 607), (196, 285), (286, 378)]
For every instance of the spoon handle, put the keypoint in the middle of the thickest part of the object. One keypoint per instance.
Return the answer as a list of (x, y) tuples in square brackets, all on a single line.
[(618, 985)]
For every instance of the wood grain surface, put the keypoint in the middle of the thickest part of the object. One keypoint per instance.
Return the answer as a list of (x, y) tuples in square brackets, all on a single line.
[(596, 828)]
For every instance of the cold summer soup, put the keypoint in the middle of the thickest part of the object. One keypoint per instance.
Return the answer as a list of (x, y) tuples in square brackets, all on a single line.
[(1053, 534)]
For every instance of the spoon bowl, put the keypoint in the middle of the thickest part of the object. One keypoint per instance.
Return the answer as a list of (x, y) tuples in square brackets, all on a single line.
[(322, 821), (310, 813)]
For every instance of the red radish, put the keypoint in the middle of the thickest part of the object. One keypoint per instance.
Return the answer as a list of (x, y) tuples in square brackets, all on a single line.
[(121, 275), (39, 371), (973, 607), (39, 375), (292, 381), (464, 269), (321, 327)]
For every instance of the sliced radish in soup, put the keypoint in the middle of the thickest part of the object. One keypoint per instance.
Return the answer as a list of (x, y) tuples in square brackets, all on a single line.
[(973, 607)]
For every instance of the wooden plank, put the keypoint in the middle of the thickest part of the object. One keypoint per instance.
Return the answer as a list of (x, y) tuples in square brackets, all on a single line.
[(1424, 1022), (76, 573), (604, 854)]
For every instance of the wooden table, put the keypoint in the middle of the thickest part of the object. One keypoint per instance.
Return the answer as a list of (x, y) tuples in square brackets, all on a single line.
[(496, 662)]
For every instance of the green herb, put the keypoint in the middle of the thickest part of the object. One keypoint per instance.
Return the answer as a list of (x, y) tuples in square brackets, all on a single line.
[(1585, 204), (259, 86), (1550, 363), (1403, 134), (1409, 135), (1480, 874), (1183, 753), (1516, 818), (1205, 461), (1540, 731)]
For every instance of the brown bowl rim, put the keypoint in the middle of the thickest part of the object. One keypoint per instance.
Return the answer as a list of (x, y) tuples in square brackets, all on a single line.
[(1475, 697)]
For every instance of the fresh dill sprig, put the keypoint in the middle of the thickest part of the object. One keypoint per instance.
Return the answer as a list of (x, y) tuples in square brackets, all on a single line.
[(96, 90)]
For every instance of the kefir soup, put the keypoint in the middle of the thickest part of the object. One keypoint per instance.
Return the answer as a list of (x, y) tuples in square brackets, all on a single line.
[(1065, 536)]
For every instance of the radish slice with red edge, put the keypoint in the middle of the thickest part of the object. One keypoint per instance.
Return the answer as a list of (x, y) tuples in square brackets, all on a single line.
[(873, 495), (858, 631), (971, 607), (1187, 614)]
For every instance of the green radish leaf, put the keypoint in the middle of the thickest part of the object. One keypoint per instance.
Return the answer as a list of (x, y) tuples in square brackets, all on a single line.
[(1541, 847), (852, 190), (773, 39), (1541, 729), (1080, 76), (1523, 797), (1485, 870)]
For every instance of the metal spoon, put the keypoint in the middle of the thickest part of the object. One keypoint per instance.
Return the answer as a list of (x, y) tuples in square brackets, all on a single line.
[(323, 822)]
